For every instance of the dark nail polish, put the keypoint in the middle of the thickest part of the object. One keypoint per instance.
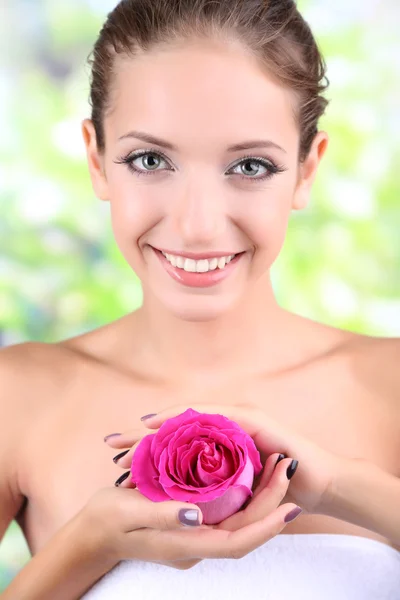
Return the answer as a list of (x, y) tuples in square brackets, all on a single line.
[(189, 517), (293, 514), (280, 457), (291, 470), (121, 479), (120, 455), (148, 416), (111, 435)]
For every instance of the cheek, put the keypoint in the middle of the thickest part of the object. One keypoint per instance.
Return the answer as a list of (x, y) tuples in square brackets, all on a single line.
[(134, 211), (266, 220)]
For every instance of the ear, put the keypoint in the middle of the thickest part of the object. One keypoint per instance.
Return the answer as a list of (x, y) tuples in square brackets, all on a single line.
[(308, 171), (95, 161)]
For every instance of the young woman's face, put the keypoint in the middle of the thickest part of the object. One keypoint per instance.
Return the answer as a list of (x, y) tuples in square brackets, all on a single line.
[(200, 196)]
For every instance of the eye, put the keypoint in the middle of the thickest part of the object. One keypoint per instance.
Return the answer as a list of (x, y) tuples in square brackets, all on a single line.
[(151, 159), (251, 165)]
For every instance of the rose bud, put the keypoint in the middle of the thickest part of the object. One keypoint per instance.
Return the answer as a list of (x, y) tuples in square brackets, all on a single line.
[(204, 459)]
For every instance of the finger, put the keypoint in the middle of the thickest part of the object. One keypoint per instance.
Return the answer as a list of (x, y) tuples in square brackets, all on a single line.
[(267, 500), (204, 542), (262, 478), (138, 512), (269, 436), (125, 480), (238, 543), (238, 411), (250, 417), (125, 462), (126, 439), (158, 419), (267, 473)]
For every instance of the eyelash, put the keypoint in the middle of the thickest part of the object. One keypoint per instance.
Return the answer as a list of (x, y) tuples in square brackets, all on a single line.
[(269, 164)]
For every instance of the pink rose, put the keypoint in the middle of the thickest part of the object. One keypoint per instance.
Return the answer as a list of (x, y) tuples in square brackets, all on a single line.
[(205, 459)]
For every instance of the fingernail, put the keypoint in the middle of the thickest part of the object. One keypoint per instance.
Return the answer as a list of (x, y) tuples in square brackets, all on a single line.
[(280, 457), (148, 416), (293, 514), (291, 470), (120, 455), (111, 435), (189, 517), (121, 479)]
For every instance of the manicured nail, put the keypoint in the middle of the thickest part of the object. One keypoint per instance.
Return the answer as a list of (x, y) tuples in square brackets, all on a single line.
[(111, 435), (121, 479), (189, 517), (148, 416), (120, 455), (280, 457), (293, 514), (291, 470)]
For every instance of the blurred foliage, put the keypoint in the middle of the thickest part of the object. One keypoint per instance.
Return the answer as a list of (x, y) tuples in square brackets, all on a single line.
[(60, 270)]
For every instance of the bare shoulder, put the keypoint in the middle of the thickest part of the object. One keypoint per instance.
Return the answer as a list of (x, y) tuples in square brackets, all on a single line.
[(374, 365), (17, 364), (29, 374), (375, 362), (20, 401), (22, 362), (22, 366)]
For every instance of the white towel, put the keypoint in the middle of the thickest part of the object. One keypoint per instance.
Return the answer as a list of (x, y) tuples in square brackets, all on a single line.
[(309, 566)]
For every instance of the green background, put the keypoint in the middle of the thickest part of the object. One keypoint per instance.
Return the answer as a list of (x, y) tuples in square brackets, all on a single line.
[(60, 270)]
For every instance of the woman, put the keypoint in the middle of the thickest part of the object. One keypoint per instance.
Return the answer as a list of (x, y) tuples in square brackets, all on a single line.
[(203, 138)]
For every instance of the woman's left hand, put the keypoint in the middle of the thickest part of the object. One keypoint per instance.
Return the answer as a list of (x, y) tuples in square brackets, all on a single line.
[(317, 471)]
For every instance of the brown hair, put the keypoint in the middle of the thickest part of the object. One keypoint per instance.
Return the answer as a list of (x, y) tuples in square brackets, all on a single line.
[(271, 30)]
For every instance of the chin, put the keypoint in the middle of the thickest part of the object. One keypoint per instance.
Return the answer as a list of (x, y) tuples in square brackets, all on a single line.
[(199, 309)]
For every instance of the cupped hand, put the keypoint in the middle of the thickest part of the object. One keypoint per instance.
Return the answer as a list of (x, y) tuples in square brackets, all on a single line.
[(235, 537), (317, 471), (266, 506)]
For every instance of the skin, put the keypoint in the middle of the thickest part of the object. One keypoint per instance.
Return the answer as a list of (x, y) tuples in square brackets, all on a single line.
[(227, 344)]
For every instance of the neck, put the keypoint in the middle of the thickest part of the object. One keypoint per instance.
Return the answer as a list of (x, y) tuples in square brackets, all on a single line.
[(256, 336)]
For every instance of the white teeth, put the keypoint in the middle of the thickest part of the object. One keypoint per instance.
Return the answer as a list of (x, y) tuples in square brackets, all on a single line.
[(198, 266), (172, 260), (202, 266), (190, 265), (222, 262), (213, 263)]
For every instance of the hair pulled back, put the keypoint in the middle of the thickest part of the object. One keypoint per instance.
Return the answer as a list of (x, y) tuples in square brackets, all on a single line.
[(273, 31)]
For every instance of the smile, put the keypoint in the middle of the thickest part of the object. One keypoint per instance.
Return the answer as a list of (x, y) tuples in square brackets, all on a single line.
[(198, 273), (198, 266)]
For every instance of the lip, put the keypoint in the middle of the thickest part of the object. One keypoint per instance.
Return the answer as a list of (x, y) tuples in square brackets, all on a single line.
[(197, 255), (198, 280)]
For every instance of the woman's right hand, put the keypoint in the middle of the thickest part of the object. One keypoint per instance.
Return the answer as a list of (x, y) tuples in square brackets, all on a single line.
[(127, 525)]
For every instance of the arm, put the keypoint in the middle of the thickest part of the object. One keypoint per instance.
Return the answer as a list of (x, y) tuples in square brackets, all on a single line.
[(368, 496), (365, 494), (64, 569), (70, 562), (350, 489)]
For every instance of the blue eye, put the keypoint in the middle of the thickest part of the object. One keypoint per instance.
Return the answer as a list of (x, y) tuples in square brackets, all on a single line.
[(155, 157), (154, 161), (272, 169)]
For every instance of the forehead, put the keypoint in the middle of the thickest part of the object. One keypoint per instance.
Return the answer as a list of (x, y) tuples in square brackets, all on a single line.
[(200, 91)]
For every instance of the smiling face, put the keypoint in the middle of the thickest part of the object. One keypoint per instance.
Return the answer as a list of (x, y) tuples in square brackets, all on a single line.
[(198, 195)]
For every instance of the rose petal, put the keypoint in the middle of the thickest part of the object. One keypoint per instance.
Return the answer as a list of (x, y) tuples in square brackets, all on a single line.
[(188, 493), (144, 473), (223, 472), (197, 457), (223, 507)]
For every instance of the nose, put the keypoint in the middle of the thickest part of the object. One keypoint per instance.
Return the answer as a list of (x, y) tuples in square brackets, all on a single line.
[(200, 216)]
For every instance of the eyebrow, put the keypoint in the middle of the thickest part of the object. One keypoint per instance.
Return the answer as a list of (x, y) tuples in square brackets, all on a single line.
[(151, 139)]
